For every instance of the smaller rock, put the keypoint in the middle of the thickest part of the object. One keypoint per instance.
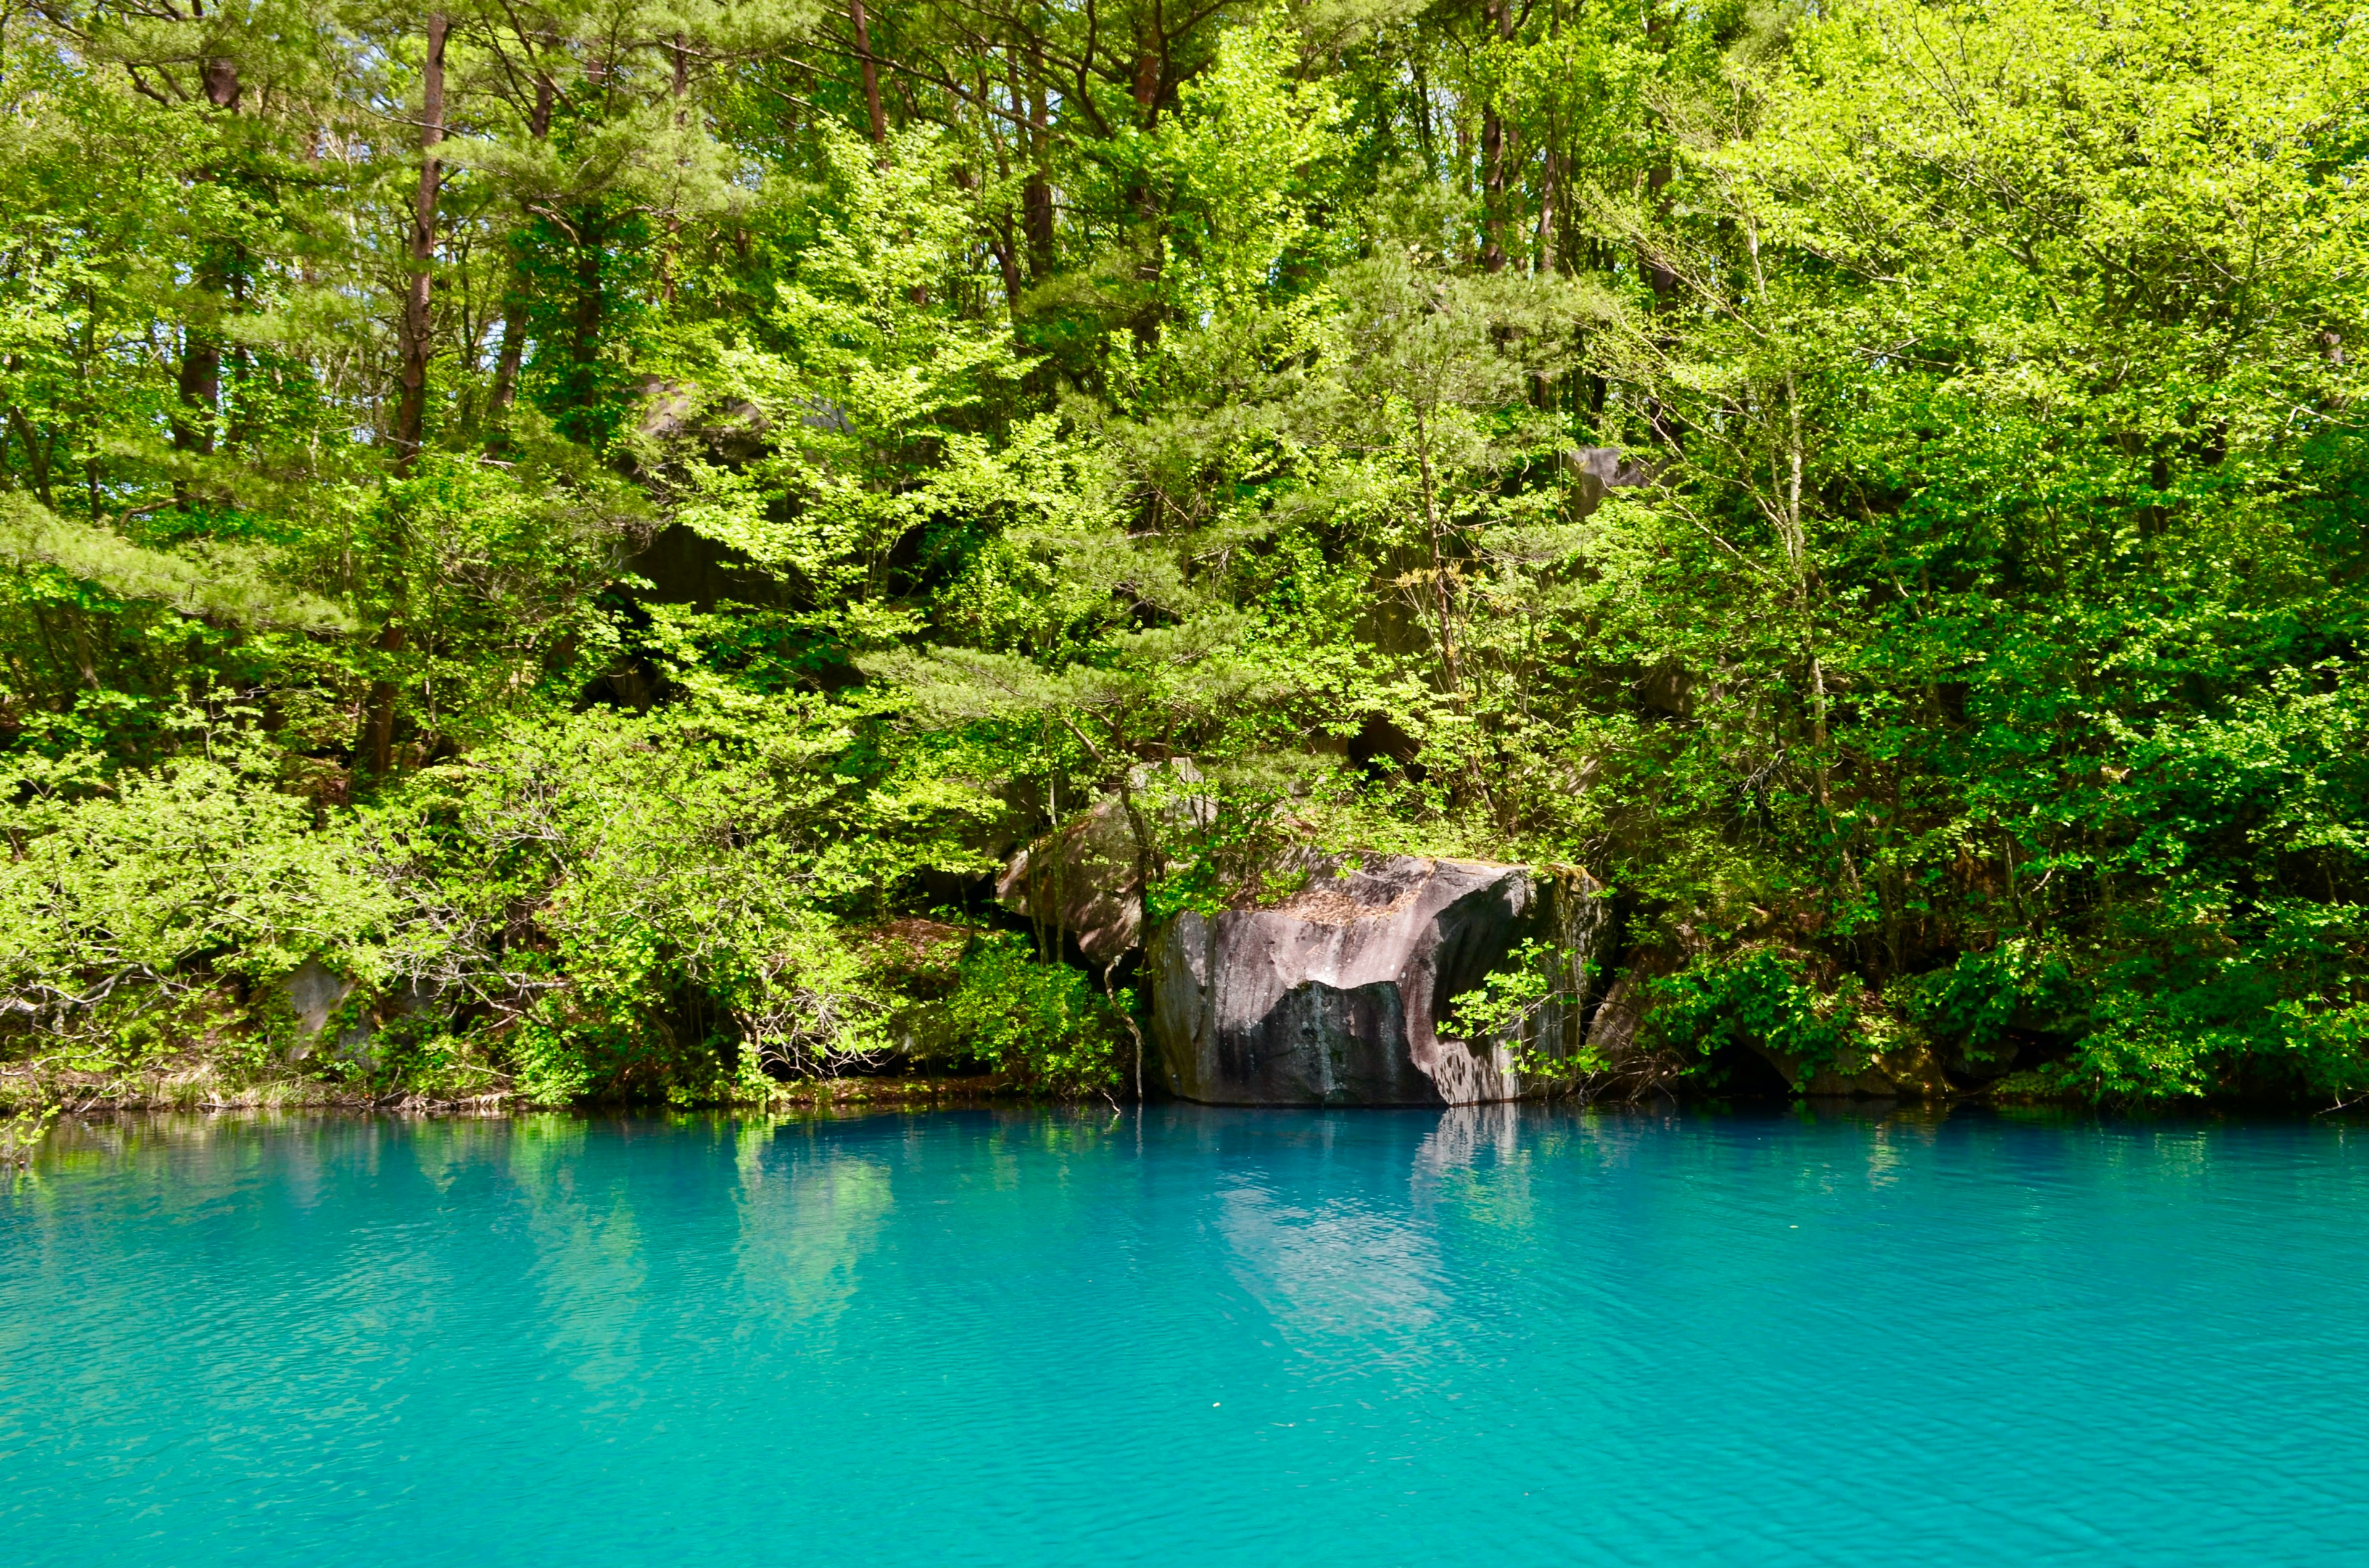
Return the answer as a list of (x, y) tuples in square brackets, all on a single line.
[(1082, 877), (315, 991), (1612, 1032), (1597, 471)]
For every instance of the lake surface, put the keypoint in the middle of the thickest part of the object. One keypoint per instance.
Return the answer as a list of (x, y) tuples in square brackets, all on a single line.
[(1198, 1337)]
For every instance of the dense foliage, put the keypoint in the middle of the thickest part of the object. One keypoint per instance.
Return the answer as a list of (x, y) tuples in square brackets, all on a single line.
[(593, 521)]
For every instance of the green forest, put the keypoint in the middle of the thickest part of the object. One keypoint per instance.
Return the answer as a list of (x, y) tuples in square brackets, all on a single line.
[(592, 529)]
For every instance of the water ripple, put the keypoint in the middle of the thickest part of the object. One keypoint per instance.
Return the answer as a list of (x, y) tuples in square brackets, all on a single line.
[(1195, 1337)]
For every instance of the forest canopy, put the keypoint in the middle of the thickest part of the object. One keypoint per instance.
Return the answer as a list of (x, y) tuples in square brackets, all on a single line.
[(597, 527)]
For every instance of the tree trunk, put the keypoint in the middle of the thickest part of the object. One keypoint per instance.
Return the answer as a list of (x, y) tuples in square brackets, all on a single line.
[(1658, 275), (417, 334), (1544, 391), (221, 79), (1147, 74), (199, 382), (417, 342), (1500, 17), (1036, 195), (1546, 251), (377, 717), (1665, 424), (1139, 196), (579, 397), (38, 450), (682, 90), (871, 71)]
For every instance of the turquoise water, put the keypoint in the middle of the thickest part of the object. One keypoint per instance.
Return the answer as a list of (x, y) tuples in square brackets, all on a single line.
[(1204, 1337)]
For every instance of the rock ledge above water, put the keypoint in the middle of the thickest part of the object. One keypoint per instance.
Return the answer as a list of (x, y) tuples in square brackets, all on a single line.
[(1335, 997)]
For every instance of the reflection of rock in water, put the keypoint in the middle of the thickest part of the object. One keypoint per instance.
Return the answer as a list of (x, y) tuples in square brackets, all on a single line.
[(1337, 1270), (1463, 1132)]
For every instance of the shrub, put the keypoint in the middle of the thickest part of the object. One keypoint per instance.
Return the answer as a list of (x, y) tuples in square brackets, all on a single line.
[(1044, 1024)]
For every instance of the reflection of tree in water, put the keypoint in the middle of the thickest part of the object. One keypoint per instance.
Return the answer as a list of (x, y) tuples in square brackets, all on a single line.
[(808, 1212), (590, 1259), (1478, 1171), (445, 1150), (1337, 1270), (1364, 1264)]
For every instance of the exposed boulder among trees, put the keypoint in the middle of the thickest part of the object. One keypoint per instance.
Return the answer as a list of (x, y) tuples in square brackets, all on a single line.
[(1339, 996), (1339, 993)]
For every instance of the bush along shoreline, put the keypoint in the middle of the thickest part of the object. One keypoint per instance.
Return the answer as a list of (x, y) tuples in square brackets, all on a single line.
[(555, 560)]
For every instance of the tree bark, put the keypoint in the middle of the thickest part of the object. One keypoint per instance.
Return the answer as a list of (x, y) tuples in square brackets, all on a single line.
[(1147, 74), (584, 345), (199, 382), (378, 717), (417, 335), (681, 89), (871, 71), (417, 341), (1546, 252), (221, 79), (1500, 18), (38, 450), (1663, 282), (1036, 195)]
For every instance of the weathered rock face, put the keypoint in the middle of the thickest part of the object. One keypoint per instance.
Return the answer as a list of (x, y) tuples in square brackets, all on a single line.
[(1082, 879), (1597, 471), (316, 992), (1335, 998)]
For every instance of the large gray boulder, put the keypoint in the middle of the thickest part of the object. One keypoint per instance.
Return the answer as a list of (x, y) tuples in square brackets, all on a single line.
[(1337, 997)]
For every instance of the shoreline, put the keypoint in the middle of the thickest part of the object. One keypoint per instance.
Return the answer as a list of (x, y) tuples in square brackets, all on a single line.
[(857, 1097), (82, 1095)]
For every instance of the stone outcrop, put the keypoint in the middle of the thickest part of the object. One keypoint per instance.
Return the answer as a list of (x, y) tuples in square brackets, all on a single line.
[(1337, 996), (1597, 471), (314, 990), (317, 994), (1082, 881)]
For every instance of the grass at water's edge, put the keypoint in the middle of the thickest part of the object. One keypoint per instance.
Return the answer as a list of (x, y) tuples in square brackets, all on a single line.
[(23, 1091), (22, 1098), (30, 1088)]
